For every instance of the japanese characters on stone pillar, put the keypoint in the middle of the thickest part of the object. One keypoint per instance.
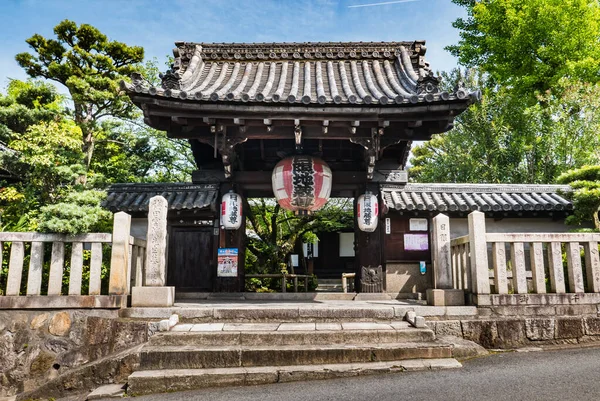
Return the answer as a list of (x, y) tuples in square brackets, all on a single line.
[(444, 293), (154, 292), (156, 242), (442, 264)]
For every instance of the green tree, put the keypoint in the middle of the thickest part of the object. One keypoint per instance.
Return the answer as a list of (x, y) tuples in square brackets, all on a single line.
[(502, 139), (586, 194), (25, 104), (48, 160), (90, 66), (529, 45)]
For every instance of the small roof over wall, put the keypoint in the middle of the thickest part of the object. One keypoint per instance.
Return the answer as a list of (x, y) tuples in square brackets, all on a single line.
[(481, 197), (133, 198)]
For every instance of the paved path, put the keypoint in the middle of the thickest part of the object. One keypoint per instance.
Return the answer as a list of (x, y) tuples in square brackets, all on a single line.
[(552, 375)]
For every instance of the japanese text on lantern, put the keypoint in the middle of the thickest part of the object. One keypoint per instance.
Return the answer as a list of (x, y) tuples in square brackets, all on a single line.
[(303, 182), (367, 210), (233, 214)]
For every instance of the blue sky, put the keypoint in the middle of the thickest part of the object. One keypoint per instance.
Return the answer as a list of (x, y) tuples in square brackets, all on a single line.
[(156, 25)]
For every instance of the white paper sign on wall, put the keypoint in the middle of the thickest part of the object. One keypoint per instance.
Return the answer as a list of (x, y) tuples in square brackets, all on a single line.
[(417, 224), (388, 226)]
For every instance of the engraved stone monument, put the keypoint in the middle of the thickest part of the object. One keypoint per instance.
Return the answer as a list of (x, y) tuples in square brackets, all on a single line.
[(444, 293), (154, 292)]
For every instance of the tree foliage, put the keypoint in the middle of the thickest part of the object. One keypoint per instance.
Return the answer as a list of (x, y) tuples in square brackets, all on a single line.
[(62, 158), (26, 104), (538, 65), (90, 66), (502, 139), (529, 45), (586, 194)]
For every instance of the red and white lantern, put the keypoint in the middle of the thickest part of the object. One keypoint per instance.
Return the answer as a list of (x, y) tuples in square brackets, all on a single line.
[(302, 183), (231, 211), (367, 212)]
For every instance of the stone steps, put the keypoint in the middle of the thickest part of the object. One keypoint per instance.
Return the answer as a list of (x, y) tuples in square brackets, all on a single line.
[(169, 380), (396, 332), (220, 353), (199, 357)]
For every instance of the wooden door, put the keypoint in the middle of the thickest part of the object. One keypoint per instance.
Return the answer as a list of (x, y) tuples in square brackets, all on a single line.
[(191, 266)]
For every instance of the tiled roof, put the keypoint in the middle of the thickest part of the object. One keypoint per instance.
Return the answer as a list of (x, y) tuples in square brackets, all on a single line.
[(135, 197), (481, 197), (384, 73)]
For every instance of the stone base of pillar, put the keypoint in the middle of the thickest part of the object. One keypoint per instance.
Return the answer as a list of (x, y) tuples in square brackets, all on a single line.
[(152, 296), (445, 297)]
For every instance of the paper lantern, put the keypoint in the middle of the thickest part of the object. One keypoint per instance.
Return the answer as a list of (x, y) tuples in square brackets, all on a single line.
[(231, 211), (367, 212), (302, 183)]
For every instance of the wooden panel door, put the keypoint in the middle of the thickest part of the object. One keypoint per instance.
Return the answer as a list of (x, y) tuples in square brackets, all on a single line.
[(191, 266)]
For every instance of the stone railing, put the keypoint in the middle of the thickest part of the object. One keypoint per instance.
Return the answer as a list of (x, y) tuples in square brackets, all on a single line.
[(39, 282), (137, 262), (461, 263), (525, 268)]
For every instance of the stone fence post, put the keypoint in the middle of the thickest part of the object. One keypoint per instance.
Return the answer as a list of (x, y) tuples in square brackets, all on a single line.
[(444, 293), (119, 258), (155, 293), (479, 257)]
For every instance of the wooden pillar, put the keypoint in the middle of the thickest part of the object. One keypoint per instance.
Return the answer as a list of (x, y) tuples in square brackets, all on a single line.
[(232, 239), (368, 247)]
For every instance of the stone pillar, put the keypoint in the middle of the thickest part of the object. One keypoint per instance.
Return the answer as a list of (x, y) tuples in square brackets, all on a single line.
[(444, 293), (119, 258), (154, 292), (442, 263), (480, 279)]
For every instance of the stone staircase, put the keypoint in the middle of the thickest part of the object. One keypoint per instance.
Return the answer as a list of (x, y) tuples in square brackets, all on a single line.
[(193, 356)]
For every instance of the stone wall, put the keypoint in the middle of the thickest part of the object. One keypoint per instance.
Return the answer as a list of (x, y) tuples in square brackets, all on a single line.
[(509, 327), (404, 280), (39, 346)]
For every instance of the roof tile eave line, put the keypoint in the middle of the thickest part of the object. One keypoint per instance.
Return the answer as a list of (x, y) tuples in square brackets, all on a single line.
[(379, 76), (371, 85), (225, 88), (366, 98), (254, 88), (242, 84)]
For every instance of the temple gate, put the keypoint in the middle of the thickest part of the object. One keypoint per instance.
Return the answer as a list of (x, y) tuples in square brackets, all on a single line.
[(245, 107)]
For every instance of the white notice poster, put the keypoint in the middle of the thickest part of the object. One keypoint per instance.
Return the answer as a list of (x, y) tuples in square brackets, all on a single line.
[(416, 242), (417, 224)]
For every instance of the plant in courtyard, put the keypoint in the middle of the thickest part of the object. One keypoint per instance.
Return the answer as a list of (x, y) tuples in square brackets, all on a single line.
[(276, 233)]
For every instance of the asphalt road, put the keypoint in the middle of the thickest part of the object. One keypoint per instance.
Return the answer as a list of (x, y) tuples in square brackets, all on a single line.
[(564, 375)]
